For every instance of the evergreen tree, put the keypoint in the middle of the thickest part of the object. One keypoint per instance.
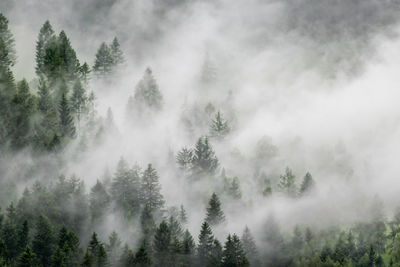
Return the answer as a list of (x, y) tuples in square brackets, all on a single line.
[(116, 53), (147, 93), (233, 254), (84, 71), (43, 241), (114, 248), (182, 215), (188, 249), (69, 62), (67, 127), (78, 100), (10, 238), (184, 159), (23, 236), (249, 247), (142, 257), (219, 126), (215, 215), (8, 39), (273, 239), (287, 183), (307, 185), (216, 254), (204, 160), (162, 242), (104, 60), (27, 259), (206, 240), (151, 189), (24, 104), (45, 34), (52, 61), (147, 223), (125, 188), (234, 189), (99, 201), (7, 92)]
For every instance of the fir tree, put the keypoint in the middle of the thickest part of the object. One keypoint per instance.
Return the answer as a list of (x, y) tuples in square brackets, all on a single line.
[(182, 215), (114, 248), (99, 201), (234, 189), (204, 160), (84, 71), (27, 259), (233, 254), (215, 214), (8, 39), (45, 34), (78, 100), (184, 159), (69, 62), (287, 183), (43, 241), (205, 246), (307, 185), (147, 93), (216, 254), (249, 247), (67, 127), (142, 258), (188, 249), (219, 126), (147, 223), (162, 241), (116, 53), (23, 236), (151, 189), (104, 61)]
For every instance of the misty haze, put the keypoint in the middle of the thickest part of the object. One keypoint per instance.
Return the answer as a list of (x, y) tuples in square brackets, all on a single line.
[(199, 133)]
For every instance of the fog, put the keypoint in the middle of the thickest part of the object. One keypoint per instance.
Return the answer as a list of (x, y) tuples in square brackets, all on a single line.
[(306, 84)]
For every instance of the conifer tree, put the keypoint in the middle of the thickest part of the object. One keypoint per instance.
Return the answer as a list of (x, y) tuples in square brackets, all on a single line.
[(27, 259), (104, 61), (116, 53), (175, 227), (23, 236), (114, 248), (7, 92), (219, 127), (204, 160), (147, 93), (188, 248), (45, 34), (249, 247), (216, 254), (78, 100), (43, 241), (147, 223), (69, 62), (182, 215), (151, 189), (205, 246), (142, 257), (24, 104), (215, 215), (84, 71), (287, 183), (67, 127), (162, 242), (7, 37), (10, 238), (184, 159), (234, 189), (99, 201), (307, 185), (233, 254)]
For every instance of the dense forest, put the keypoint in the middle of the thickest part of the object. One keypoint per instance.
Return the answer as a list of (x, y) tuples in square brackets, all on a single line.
[(72, 192)]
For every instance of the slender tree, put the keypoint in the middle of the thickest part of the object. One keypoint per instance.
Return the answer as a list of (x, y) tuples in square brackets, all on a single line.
[(215, 215)]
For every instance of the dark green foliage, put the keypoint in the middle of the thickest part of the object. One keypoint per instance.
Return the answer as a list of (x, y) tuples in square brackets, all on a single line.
[(188, 249), (216, 254), (103, 64), (142, 258), (43, 241), (23, 236), (45, 34), (78, 100), (162, 242), (204, 160), (27, 258), (215, 215), (204, 248), (8, 40), (67, 127), (147, 223), (147, 94), (116, 53), (233, 254)]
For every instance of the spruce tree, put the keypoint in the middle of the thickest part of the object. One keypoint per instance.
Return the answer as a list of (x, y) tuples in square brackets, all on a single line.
[(249, 247), (84, 71), (43, 241), (216, 254), (204, 160), (142, 257), (104, 61), (99, 201), (307, 185), (162, 242), (8, 39), (233, 254), (182, 215), (7, 92), (45, 34), (205, 246), (147, 93), (234, 189), (151, 189), (69, 62), (114, 248), (184, 159), (287, 183), (219, 127), (78, 100), (215, 215), (116, 53), (67, 127), (188, 249), (27, 259), (23, 236)]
